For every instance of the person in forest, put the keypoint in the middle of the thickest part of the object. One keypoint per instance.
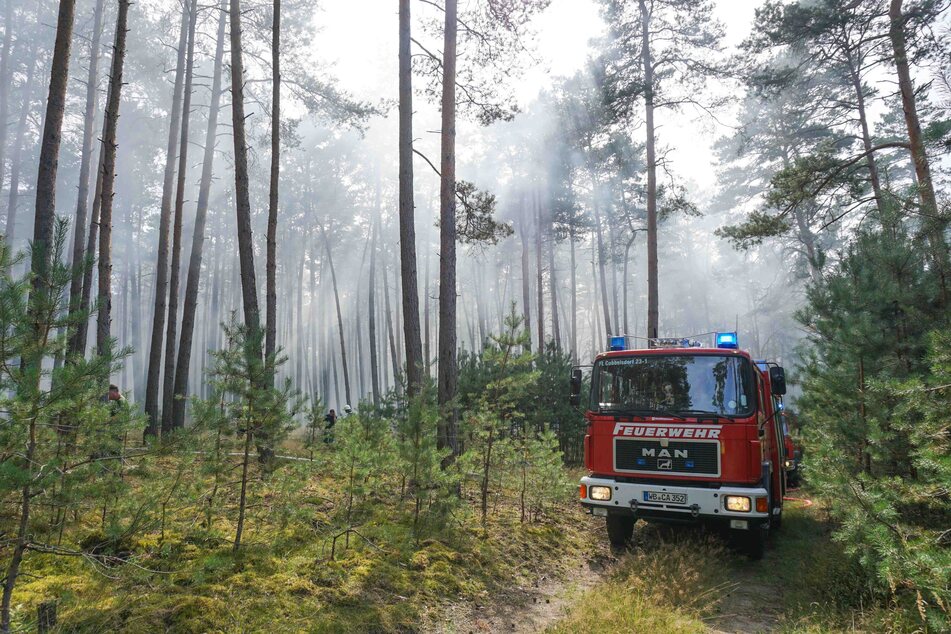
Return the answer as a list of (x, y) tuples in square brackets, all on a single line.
[(111, 439), (329, 421)]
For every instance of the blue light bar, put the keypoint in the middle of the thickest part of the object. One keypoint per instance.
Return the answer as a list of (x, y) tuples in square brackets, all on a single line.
[(618, 343), (727, 340)]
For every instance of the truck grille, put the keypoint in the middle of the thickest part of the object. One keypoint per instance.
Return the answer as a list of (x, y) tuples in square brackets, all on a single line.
[(678, 457)]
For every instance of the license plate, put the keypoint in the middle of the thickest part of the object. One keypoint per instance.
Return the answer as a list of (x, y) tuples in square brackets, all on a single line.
[(664, 497)]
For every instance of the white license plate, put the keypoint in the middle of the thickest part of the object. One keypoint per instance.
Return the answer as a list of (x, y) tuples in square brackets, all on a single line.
[(665, 498)]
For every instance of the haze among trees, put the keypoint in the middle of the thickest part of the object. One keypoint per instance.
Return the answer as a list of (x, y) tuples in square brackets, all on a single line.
[(257, 237)]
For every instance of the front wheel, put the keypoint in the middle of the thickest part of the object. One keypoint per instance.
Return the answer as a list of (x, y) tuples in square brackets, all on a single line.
[(753, 542), (620, 529)]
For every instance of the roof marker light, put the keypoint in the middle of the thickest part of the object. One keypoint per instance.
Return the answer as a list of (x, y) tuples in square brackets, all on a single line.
[(618, 343), (727, 340)]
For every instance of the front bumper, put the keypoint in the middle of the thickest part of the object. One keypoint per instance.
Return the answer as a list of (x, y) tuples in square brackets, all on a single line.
[(703, 504)]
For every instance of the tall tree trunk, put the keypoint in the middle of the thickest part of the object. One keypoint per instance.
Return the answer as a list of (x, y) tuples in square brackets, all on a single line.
[(85, 167), (856, 80), (270, 337), (526, 275), (374, 363), (574, 298), (15, 163), (608, 331), (249, 293), (447, 240), (625, 281), (935, 226), (343, 344), (44, 220), (553, 285), (153, 375), (198, 236), (394, 354), (109, 146), (171, 324), (408, 273), (82, 329), (539, 284), (5, 81), (653, 312)]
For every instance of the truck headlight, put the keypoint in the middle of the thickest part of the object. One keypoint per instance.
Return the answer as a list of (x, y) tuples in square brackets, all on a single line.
[(737, 503), (600, 493), (789, 464)]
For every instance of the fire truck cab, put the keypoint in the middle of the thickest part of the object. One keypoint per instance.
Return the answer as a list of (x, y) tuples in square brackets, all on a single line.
[(684, 433)]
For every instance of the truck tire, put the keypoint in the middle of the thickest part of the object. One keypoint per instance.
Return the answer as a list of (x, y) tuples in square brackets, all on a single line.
[(620, 529), (754, 542)]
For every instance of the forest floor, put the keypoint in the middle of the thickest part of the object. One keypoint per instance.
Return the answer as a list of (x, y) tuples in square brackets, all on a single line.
[(679, 580)]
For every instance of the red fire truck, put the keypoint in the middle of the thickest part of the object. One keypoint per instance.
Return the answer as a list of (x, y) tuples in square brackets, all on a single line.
[(684, 433)]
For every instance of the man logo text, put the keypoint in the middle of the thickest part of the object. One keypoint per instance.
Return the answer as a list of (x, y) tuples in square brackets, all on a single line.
[(663, 453)]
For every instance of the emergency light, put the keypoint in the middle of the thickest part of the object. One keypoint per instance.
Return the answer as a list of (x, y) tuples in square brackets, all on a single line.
[(727, 340), (618, 343)]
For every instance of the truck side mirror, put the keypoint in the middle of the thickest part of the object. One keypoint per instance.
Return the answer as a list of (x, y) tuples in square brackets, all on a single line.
[(574, 394), (777, 380)]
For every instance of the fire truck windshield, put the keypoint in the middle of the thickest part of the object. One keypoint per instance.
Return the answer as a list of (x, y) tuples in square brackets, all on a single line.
[(675, 384)]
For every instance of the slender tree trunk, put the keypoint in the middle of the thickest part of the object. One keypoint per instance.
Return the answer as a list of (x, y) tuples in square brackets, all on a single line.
[(44, 220), (408, 271), (82, 329), (171, 324), (109, 146), (653, 312), (935, 225), (374, 363), (198, 237), (625, 281), (394, 354), (867, 141), (270, 340), (249, 293), (526, 276), (553, 285), (153, 375), (608, 331), (447, 240), (343, 344), (15, 163), (5, 81), (85, 167), (574, 299), (539, 285)]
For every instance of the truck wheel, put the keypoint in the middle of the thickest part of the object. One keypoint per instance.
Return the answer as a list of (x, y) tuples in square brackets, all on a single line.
[(620, 529), (754, 543)]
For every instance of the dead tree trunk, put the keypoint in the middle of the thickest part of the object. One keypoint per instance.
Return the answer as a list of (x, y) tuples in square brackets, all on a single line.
[(109, 146), (198, 237), (153, 375)]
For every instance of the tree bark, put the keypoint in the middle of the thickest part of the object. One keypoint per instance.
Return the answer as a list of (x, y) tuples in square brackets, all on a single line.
[(553, 285), (935, 226), (5, 81), (153, 375), (447, 240), (343, 344), (44, 220), (198, 237), (652, 287), (109, 146), (374, 362), (15, 163), (526, 276), (270, 337), (408, 268), (574, 298), (171, 324), (249, 293), (608, 331), (85, 166), (539, 283)]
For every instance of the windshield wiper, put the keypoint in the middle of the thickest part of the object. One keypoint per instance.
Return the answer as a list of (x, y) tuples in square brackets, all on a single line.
[(642, 412)]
